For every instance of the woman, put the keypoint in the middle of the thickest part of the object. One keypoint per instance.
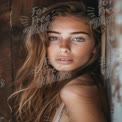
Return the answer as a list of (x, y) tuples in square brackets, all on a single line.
[(60, 80)]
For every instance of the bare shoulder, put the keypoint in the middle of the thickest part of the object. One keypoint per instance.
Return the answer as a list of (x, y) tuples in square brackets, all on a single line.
[(82, 101), (75, 88)]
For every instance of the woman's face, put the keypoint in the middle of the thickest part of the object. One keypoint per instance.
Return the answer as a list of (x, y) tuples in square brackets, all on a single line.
[(71, 43)]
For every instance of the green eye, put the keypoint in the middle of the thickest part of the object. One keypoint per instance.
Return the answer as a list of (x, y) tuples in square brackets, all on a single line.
[(53, 38), (78, 40)]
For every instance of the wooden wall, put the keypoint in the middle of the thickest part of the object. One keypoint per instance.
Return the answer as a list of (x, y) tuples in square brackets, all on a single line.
[(5, 59), (116, 64)]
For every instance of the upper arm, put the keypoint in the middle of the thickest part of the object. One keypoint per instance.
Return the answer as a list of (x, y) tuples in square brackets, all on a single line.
[(82, 103)]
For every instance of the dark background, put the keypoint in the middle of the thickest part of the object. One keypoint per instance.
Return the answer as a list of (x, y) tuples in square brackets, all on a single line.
[(11, 42)]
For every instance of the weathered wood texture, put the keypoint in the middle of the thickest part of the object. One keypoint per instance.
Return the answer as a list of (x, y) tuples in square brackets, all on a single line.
[(112, 55), (5, 59), (116, 77)]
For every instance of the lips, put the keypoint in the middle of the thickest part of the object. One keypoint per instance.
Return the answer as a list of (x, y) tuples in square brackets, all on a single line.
[(64, 60)]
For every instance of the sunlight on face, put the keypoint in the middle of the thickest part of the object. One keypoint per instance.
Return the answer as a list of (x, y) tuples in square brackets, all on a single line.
[(71, 43)]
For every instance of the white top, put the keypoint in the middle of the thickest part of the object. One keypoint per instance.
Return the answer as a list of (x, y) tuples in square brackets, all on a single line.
[(59, 113)]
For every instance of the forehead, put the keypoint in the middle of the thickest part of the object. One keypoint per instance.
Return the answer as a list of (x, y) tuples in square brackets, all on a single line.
[(69, 23)]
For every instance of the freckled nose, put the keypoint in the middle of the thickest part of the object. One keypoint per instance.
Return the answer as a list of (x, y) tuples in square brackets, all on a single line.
[(64, 46)]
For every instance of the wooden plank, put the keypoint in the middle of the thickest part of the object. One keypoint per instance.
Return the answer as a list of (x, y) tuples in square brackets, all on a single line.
[(116, 71), (5, 59)]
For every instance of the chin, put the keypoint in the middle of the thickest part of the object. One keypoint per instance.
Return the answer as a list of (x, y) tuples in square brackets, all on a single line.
[(64, 68)]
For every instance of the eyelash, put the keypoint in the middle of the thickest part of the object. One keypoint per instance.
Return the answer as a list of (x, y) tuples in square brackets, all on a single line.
[(49, 38), (78, 39)]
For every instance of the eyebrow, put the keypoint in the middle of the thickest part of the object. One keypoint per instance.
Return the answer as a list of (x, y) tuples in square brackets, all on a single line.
[(78, 32)]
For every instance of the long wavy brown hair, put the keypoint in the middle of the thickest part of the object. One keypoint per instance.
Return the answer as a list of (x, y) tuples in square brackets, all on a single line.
[(36, 95)]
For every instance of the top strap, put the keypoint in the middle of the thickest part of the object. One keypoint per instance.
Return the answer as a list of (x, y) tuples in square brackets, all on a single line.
[(59, 113)]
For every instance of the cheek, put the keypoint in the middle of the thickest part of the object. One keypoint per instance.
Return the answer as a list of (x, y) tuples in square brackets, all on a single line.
[(51, 51), (83, 53)]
